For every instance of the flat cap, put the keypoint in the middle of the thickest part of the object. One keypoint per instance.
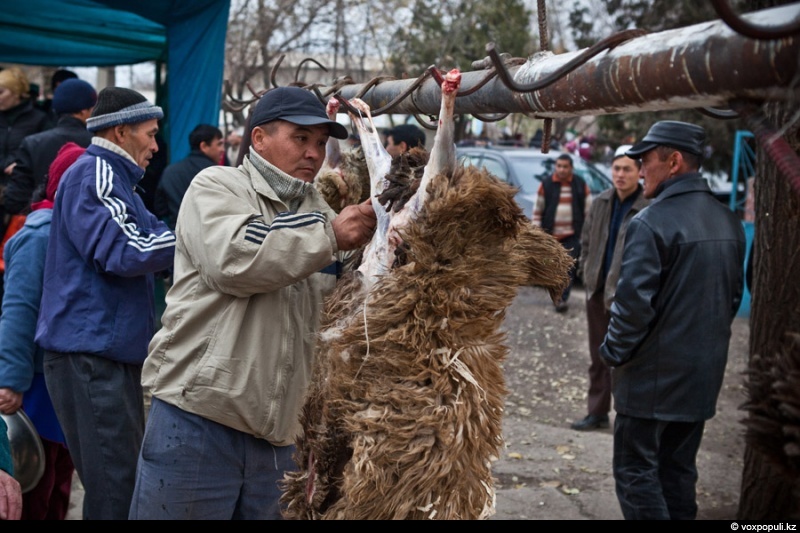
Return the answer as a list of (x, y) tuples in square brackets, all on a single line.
[(679, 135)]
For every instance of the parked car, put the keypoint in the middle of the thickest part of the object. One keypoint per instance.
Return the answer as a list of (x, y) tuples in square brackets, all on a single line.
[(524, 168)]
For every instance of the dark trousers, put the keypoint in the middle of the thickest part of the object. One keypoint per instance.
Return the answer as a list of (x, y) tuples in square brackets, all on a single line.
[(49, 499), (572, 245), (655, 468), (597, 318), (100, 406)]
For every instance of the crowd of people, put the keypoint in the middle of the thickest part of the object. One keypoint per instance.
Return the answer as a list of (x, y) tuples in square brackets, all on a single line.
[(251, 250)]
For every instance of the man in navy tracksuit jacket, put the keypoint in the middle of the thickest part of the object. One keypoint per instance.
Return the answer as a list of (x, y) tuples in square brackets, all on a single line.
[(97, 314)]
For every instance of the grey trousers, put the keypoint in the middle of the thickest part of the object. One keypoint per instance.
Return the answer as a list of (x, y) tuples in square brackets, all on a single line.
[(100, 406)]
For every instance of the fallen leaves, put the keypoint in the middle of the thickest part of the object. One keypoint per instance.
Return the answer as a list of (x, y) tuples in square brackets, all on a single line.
[(556, 484)]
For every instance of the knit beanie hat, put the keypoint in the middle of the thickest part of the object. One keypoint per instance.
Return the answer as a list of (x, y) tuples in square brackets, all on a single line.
[(67, 155), (117, 105), (73, 95), (15, 80), (59, 77)]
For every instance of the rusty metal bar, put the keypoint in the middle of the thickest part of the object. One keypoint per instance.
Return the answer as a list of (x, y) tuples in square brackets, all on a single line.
[(704, 65)]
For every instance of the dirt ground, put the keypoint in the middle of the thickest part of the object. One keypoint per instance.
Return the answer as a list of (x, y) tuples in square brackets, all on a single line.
[(548, 471)]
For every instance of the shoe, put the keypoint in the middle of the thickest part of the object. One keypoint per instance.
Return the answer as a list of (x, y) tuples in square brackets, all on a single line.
[(562, 307), (591, 422)]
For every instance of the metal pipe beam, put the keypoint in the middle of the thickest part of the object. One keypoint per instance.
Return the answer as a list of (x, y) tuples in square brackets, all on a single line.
[(704, 65)]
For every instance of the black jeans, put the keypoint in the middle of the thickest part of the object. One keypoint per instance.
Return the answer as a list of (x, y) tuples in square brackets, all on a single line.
[(572, 245), (100, 406), (655, 468)]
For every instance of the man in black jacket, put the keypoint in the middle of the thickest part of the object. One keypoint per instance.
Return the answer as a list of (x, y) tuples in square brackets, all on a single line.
[(207, 147), (73, 101), (680, 287)]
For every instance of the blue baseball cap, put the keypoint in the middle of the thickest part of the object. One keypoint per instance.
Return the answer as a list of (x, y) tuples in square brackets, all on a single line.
[(296, 105)]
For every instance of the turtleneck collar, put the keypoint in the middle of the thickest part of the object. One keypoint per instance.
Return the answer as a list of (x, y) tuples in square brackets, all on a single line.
[(290, 190), (108, 145)]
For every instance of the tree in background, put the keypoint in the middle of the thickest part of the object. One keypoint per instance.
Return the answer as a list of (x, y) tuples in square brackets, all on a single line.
[(345, 34), (592, 21), (771, 475), (454, 34)]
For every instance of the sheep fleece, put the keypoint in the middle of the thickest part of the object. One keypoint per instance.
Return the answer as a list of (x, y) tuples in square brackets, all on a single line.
[(403, 416)]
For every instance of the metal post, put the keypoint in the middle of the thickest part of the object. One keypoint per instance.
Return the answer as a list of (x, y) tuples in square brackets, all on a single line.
[(704, 65)]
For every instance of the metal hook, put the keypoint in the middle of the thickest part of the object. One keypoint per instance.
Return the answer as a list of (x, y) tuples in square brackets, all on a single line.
[(303, 62), (274, 73), (413, 87), (606, 44), (743, 27)]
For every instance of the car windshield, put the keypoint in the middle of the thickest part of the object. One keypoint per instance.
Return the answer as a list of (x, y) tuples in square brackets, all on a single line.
[(532, 168)]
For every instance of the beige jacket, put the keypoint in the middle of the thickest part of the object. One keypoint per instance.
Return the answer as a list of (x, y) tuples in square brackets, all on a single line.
[(593, 245), (239, 329)]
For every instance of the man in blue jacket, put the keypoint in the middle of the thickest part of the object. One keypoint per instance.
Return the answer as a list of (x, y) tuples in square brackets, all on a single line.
[(97, 312), (680, 286)]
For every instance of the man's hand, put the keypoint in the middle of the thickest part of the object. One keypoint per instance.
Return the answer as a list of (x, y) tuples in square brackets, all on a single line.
[(10, 401), (10, 497), (354, 226)]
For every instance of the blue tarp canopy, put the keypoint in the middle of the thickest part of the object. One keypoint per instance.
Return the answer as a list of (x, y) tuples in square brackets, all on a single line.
[(186, 36)]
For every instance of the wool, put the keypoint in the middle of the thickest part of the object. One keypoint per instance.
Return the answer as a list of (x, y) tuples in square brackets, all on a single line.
[(67, 155), (345, 184), (404, 413), (72, 96), (118, 105)]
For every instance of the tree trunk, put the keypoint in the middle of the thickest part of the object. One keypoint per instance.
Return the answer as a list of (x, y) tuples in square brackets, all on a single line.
[(771, 475)]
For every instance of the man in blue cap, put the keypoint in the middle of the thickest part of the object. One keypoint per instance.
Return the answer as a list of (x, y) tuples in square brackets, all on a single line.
[(680, 286), (258, 249)]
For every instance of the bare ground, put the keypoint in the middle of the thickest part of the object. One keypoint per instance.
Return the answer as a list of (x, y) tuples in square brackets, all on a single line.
[(548, 471)]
